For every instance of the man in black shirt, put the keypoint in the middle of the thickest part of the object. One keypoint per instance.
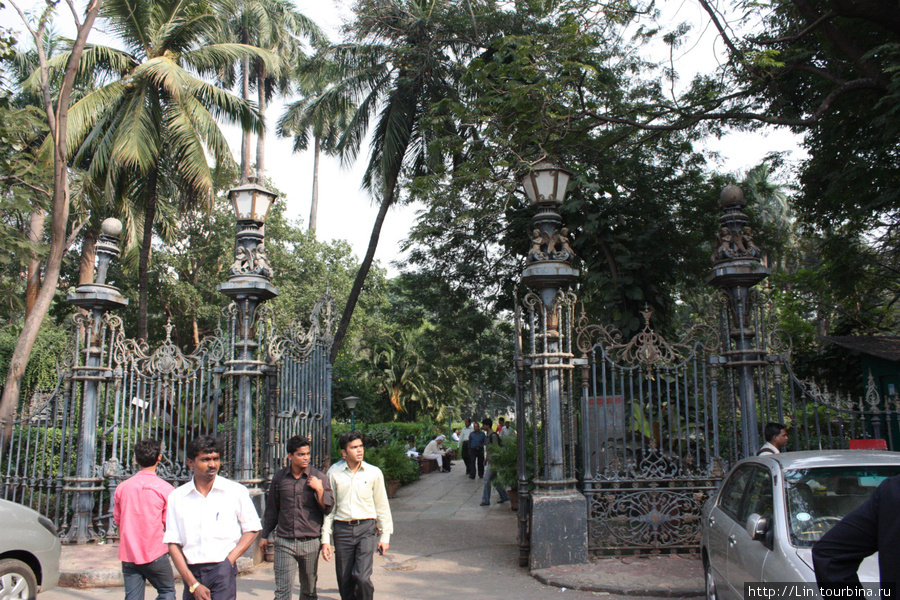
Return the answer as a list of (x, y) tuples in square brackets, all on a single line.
[(298, 500)]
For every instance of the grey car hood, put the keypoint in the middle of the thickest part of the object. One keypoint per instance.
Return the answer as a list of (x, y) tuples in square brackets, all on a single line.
[(868, 570)]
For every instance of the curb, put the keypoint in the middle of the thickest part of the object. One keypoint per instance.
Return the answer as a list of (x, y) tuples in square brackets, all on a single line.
[(561, 582), (107, 578)]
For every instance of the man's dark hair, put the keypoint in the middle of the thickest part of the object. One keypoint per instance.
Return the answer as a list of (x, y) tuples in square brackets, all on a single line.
[(206, 444), (771, 430), (297, 442), (349, 436), (146, 452), (468, 420), (488, 422), (501, 420)]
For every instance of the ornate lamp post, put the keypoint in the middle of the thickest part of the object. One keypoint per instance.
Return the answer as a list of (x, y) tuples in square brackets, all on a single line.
[(248, 286), (97, 299), (350, 402), (559, 510)]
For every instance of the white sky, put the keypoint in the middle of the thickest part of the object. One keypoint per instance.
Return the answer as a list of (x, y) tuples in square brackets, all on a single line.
[(346, 212)]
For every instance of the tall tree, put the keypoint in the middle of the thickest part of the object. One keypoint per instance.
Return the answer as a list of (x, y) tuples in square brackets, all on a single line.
[(404, 56), (275, 26), (325, 122), (58, 122), (154, 122)]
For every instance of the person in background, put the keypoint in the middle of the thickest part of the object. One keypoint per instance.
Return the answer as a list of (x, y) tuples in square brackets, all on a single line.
[(493, 439), (455, 436), (476, 451), (464, 446), (435, 450), (210, 523), (299, 498), (140, 513), (504, 429), (361, 508), (776, 438)]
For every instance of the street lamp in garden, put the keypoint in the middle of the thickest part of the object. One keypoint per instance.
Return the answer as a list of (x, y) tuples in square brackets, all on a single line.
[(248, 285), (351, 402), (557, 507)]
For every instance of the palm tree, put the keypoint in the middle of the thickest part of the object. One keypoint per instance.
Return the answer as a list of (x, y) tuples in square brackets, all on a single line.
[(404, 57), (275, 26), (325, 122), (156, 118)]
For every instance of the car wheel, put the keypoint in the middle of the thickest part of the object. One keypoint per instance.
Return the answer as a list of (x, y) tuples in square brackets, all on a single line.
[(17, 581), (710, 582)]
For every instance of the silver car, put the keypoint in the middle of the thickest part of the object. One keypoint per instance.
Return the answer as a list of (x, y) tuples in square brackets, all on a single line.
[(761, 524), (29, 552)]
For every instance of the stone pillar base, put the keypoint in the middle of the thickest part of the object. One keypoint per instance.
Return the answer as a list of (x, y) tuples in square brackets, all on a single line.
[(559, 529)]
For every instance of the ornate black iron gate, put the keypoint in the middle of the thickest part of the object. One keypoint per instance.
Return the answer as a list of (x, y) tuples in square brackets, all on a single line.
[(68, 449)]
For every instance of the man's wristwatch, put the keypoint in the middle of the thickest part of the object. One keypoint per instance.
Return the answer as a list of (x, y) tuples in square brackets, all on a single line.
[(194, 587)]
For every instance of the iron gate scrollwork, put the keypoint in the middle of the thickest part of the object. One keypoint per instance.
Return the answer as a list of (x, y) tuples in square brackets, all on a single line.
[(165, 394), (650, 431)]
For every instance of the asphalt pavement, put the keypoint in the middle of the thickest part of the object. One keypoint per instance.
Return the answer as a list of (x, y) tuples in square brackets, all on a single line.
[(445, 546)]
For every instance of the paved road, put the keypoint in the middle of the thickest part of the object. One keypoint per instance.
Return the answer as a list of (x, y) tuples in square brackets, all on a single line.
[(445, 546)]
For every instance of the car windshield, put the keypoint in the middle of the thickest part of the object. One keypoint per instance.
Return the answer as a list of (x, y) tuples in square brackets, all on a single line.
[(817, 499)]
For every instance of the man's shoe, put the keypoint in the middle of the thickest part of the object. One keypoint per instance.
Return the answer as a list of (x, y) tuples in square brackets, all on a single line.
[(485, 504), (471, 477), (500, 501)]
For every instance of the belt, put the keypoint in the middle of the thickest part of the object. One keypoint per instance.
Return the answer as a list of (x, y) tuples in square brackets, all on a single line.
[(354, 521)]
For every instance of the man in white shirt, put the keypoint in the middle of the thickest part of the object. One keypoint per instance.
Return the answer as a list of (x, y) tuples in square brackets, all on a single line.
[(210, 522), (464, 445), (776, 439), (360, 500)]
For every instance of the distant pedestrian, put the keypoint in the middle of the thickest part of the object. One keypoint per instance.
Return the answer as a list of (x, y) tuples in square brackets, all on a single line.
[(361, 509), (476, 451), (776, 439), (140, 513), (299, 498), (493, 439), (504, 429), (435, 450), (455, 436), (211, 521), (464, 446)]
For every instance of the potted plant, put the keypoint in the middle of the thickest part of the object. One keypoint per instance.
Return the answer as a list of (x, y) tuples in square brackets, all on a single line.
[(397, 468)]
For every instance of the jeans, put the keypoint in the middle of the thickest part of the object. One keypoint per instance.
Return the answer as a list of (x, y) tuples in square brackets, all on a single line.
[(157, 572), (489, 476)]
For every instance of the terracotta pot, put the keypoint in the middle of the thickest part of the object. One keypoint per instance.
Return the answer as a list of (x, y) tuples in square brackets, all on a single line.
[(392, 486)]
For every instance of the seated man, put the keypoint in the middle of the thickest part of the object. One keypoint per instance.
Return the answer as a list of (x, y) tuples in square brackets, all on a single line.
[(435, 450)]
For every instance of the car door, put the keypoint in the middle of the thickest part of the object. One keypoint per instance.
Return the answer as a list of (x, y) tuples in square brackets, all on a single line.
[(722, 518), (746, 556)]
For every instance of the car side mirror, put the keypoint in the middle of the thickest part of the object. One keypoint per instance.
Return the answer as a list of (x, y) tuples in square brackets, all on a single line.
[(757, 527)]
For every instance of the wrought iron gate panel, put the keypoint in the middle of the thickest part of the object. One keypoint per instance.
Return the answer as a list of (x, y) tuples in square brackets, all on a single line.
[(650, 420), (303, 404), (168, 395)]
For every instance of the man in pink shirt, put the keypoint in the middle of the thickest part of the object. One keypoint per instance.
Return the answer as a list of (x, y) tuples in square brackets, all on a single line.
[(140, 513)]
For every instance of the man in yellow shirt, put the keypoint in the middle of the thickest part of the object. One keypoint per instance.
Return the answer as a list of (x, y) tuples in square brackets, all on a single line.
[(361, 509)]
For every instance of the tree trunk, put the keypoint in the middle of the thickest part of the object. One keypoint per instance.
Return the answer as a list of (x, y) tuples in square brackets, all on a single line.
[(33, 280), (144, 260), (88, 253), (245, 94), (361, 275), (314, 205), (261, 138), (59, 220)]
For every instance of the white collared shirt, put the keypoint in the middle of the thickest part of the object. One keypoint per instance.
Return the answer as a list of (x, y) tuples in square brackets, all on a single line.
[(208, 527), (464, 434), (359, 495)]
